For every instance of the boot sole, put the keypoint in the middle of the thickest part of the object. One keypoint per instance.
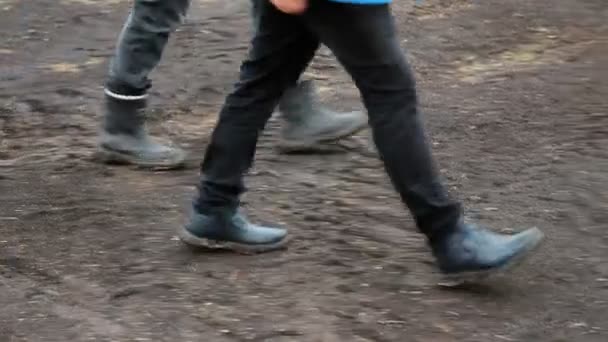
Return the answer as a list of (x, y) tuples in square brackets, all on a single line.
[(463, 278), (195, 241), (107, 156), (288, 145)]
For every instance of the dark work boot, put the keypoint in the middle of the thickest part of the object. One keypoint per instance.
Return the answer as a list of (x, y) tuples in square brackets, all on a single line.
[(307, 123), (124, 139), (231, 231), (470, 253)]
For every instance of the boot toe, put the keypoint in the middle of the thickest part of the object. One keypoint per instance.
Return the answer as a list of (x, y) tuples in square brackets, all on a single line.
[(266, 235), (523, 242), (161, 156)]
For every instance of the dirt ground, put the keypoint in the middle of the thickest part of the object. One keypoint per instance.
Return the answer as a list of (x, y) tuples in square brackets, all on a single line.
[(515, 97)]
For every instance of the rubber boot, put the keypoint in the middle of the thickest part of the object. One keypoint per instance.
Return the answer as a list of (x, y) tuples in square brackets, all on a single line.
[(231, 231), (307, 122), (124, 139)]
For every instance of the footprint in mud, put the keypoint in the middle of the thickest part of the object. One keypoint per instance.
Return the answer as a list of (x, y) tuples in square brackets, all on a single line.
[(34, 105), (152, 290), (217, 36), (68, 92)]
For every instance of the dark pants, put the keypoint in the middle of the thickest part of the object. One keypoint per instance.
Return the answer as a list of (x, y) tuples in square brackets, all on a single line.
[(364, 40)]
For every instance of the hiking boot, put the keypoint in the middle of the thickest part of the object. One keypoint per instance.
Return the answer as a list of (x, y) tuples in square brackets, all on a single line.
[(470, 253), (308, 123), (124, 139), (231, 231)]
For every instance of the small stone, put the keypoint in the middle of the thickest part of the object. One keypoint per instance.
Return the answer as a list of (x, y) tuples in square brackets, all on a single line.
[(443, 327), (391, 322), (577, 325)]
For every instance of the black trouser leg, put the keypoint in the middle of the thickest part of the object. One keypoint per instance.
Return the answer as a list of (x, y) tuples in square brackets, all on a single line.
[(281, 49), (364, 40)]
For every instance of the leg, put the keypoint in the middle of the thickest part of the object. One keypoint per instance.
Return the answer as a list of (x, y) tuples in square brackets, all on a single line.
[(139, 50), (373, 58), (142, 42), (369, 50), (281, 50), (306, 122)]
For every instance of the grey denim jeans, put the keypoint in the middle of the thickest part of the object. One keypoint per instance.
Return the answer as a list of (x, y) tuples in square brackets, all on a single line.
[(141, 44), (142, 41)]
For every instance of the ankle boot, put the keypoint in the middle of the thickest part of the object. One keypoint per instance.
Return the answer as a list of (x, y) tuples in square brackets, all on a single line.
[(231, 230), (307, 122), (124, 139), (471, 252)]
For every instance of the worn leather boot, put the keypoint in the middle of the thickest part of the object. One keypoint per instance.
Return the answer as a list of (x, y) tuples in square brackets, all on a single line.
[(470, 253), (124, 139), (307, 122), (231, 230)]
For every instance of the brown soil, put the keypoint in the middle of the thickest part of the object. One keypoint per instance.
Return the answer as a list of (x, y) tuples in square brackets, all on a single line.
[(514, 93)]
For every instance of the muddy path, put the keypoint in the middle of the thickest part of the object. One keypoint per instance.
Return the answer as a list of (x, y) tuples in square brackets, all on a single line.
[(514, 94)]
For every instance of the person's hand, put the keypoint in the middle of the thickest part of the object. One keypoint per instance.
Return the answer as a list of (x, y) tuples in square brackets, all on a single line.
[(291, 6)]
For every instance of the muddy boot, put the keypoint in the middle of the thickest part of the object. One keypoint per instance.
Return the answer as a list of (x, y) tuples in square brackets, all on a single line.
[(231, 231), (308, 123), (470, 252), (124, 139)]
